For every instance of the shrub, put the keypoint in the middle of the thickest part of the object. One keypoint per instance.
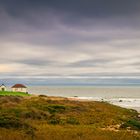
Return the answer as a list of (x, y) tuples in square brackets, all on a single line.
[(56, 108), (54, 121), (43, 95), (35, 114), (133, 124), (73, 121), (9, 122)]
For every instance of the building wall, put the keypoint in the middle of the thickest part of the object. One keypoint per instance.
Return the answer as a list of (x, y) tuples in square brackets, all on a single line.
[(2, 88), (19, 90)]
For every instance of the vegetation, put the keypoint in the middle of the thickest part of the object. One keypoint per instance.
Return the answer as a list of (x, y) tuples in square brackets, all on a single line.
[(47, 118), (10, 93)]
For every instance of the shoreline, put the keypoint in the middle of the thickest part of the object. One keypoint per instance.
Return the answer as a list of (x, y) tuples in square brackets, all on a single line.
[(128, 103)]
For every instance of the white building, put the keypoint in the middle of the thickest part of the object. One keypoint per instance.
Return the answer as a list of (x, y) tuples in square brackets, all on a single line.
[(2, 87), (19, 88)]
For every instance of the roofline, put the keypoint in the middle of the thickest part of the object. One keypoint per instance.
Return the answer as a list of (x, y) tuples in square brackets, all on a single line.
[(19, 86), (2, 85)]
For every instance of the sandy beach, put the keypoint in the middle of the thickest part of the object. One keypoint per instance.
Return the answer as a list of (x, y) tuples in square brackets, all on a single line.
[(124, 96), (122, 102)]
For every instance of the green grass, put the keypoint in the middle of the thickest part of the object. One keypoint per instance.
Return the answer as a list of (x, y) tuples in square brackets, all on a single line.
[(41, 118), (10, 93)]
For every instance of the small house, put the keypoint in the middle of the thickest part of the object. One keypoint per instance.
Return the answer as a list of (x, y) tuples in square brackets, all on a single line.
[(2, 87), (19, 88)]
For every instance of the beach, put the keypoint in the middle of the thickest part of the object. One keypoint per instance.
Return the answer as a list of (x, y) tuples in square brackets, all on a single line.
[(124, 96), (129, 103)]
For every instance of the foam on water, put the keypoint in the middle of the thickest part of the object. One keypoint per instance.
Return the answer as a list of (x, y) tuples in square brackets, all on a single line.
[(123, 102)]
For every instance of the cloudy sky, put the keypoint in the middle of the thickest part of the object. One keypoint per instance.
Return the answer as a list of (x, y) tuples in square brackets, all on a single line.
[(70, 40)]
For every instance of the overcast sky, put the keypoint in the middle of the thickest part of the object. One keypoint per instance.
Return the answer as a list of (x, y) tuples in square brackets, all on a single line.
[(70, 39)]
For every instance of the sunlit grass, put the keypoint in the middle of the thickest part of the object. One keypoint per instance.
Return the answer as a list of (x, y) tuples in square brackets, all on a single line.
[(10, 93)]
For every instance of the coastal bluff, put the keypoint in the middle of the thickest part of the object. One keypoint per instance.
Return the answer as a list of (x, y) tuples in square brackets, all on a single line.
[(56, 118)]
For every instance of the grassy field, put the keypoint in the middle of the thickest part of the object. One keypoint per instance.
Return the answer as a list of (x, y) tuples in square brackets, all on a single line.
[(46, 118), (10, 93)]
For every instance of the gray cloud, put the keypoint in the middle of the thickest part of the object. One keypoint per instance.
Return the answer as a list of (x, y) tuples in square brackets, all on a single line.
[(80, 8), (69, 38), (91, 63)]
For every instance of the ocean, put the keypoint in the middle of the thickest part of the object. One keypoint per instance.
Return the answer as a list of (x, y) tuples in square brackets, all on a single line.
[(124, 96)]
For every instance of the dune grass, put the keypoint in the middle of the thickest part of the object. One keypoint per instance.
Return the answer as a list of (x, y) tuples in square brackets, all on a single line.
[(41, 118), (10, 93)]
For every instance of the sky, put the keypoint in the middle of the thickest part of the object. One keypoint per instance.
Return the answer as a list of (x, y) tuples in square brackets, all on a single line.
[(70, 41)]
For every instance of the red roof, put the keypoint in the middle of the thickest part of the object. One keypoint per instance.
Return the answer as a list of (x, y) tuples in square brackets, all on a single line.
[(19, 86)]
